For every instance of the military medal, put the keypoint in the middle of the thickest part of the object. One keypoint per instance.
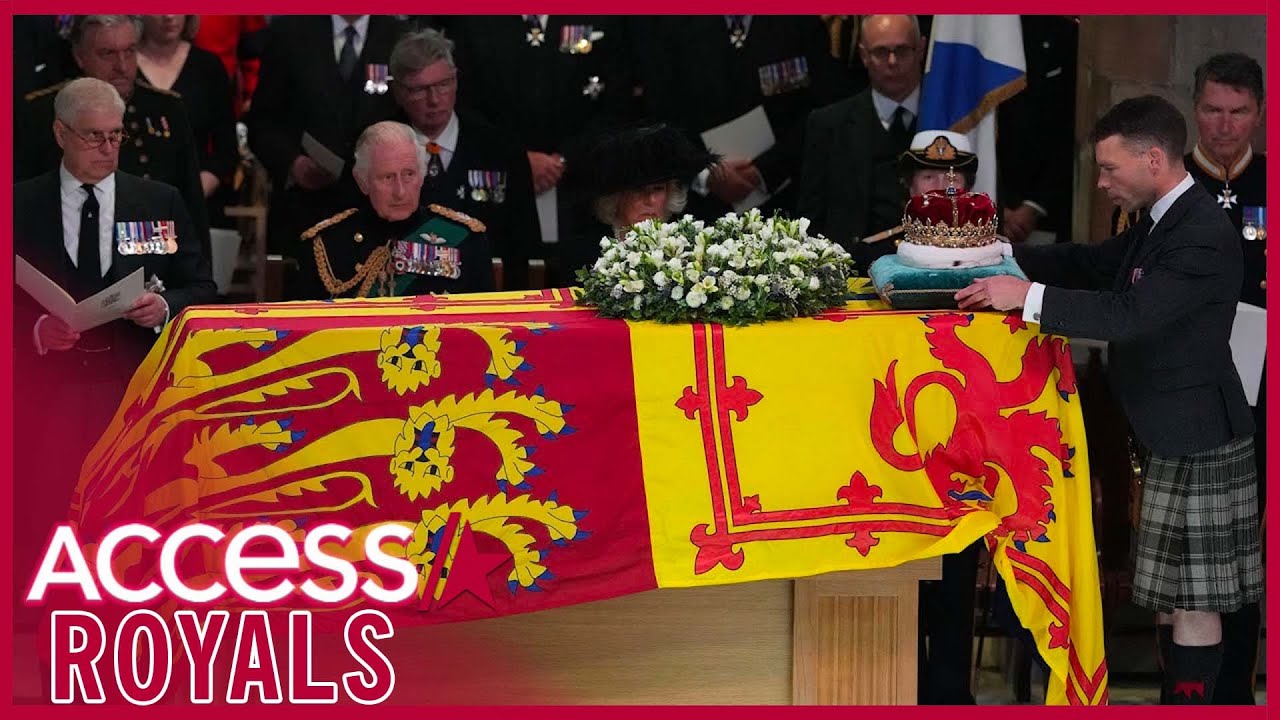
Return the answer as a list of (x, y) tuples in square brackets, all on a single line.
[(150, 128), (1255, 222), (738, 37), (575, 39), (164, 121), (593, 87), (1226, 198), (462, 192), (125, 238), (534, 37), (168, 231), (377, 79)]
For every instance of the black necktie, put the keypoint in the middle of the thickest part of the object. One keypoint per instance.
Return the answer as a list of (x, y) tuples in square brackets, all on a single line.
[(87, 261), (898, 129), (347, 59)]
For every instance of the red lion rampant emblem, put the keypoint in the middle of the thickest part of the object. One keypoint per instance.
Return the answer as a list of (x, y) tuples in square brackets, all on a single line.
[(985, 441)]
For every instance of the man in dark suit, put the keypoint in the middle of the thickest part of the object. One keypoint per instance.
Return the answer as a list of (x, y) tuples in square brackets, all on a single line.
[(472, 166), (550, 83), (85, 225), (327, 76), (849, 184), (160, 147), (712, 69), (1164, 294)]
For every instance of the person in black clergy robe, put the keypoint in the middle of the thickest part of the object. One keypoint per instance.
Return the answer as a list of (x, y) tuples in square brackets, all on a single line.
[(550, 83), (160, 144), (86, 225), (711, 69), (389, 244), (326, 77), (472, 166)]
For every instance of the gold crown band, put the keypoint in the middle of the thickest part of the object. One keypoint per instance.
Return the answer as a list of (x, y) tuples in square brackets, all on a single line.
[(968, 235)]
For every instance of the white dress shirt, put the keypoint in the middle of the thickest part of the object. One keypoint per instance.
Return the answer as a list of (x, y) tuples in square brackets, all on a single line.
[(73, 200), (340, 36), (886, 107), (1035, 295), (448, 140)]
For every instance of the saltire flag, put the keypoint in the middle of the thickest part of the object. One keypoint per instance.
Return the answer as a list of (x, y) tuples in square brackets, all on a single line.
[(975, 63)]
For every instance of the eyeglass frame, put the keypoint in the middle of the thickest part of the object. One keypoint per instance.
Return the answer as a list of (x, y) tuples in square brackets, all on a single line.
[(106, 137), (904, 53), (440, 88)]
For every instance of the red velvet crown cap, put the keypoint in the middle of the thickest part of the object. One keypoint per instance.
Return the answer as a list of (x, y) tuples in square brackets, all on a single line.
[(936, 208)]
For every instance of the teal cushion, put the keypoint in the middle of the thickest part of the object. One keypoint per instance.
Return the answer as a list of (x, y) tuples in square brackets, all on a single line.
[(910, 288)]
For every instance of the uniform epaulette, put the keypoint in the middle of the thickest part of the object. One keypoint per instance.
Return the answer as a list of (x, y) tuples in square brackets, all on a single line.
[(312, 231), (162, 91), (45, 91), (462, 218)]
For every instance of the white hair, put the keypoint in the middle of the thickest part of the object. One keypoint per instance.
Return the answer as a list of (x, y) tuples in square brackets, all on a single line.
[(606, 207), (83, 94), (382, 133)]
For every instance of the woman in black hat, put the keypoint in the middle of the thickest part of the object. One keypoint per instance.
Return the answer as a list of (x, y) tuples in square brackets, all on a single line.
[(631, 175)]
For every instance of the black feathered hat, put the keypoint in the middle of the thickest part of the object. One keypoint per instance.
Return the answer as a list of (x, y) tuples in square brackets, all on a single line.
[(632, 157)]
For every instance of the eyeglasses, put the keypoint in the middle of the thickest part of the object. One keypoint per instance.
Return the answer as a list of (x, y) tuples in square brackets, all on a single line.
[(902, 52), (444, 87), (95, 138)]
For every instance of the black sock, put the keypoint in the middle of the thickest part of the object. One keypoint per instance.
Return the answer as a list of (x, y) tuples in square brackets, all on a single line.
[(1192, 673), (1164, 646), (1239, 656)]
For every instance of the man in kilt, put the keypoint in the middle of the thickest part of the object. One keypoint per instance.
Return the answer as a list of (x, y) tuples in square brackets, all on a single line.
[(1164, 294)]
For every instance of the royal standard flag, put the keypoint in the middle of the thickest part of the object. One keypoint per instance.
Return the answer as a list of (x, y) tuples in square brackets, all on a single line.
[(544, 456)]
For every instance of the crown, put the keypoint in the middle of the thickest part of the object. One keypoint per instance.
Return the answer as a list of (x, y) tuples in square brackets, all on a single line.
[(950, 219)]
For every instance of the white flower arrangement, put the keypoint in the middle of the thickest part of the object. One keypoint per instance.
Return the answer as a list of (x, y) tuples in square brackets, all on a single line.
[(742, 269)]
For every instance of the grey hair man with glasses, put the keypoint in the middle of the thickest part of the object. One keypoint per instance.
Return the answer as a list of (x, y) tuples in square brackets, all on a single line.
[(159, 144), (86, 225), (471, 165)]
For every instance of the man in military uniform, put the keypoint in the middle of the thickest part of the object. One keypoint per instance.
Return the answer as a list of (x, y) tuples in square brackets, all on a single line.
[(716, 68), (390, 245), (550, 82), (326, 77), (471, 165), (159, 145), (1228, 111)]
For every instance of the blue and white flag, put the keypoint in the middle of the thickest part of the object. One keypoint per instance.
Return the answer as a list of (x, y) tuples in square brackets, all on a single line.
[(975, 63)]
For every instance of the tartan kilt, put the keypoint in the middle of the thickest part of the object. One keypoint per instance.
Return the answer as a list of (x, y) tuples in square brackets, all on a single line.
[(1197, 544)]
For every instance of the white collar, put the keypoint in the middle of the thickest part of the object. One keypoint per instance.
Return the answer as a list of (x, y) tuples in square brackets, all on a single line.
[(1161, 206), (71, 185), (340, 25), (1211, 166), (448, 139), (885, 106)]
